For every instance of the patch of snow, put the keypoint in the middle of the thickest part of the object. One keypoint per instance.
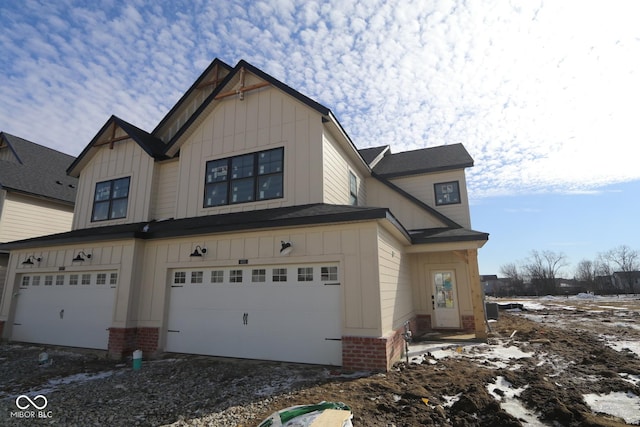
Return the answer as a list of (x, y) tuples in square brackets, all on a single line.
[(618, 404), (509, 402), (633, 346), (633, 379), (493, 355), (450, 400)]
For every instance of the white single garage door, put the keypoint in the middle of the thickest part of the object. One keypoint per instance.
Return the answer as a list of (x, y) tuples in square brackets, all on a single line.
[(287, 313), (68, 309)]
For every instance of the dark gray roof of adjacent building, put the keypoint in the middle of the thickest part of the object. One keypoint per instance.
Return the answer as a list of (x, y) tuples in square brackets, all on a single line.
[(37, 170), (425, 160)]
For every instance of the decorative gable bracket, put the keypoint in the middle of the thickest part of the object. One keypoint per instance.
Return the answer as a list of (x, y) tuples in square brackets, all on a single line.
[(242, 88)]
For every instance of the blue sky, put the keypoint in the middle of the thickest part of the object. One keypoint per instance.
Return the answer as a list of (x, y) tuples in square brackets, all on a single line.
[(544, 95)]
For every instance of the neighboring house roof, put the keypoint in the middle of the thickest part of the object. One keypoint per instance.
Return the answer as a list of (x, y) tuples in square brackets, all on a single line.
[(37, 170), (313, 214), (425, 160)]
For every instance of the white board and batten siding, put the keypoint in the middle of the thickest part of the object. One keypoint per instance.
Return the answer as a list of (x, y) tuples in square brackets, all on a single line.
[(165, 188), (265, 119), (126, 159)]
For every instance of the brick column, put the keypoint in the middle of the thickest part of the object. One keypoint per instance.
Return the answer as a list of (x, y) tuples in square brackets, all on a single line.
[(124, 341)]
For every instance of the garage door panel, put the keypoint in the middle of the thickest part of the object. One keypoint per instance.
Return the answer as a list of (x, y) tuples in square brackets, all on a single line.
[(259, 318), (67, 315)]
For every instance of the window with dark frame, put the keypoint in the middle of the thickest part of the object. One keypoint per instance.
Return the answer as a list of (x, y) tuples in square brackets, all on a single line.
[(217, 276), (110, 199), (353, 189), (279, 275), (179, 277), (25, 280), (235, 276), (259, 275), (113, 279), (246, 178), (196, 276), (101, 279), (447, 193), (328, 274), (305, 274)]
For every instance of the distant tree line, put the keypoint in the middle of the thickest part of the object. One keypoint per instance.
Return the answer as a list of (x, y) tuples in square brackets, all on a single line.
[(612, 272)]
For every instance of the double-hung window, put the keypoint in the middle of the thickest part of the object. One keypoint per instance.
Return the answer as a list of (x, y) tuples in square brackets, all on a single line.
[(243, 179), (111, 199)]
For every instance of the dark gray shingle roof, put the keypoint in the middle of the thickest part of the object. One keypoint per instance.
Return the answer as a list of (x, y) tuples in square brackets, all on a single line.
[(37, 170), (425, 160), (370, 154)]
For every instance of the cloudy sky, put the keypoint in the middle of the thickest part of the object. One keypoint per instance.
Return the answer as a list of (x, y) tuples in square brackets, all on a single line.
[(544, 94)]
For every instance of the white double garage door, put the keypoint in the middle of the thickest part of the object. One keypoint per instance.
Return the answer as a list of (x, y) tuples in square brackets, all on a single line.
[(286, 313), (68, 309)]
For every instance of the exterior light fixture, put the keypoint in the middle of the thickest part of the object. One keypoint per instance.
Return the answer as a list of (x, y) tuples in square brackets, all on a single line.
[(30, 259), (199, 251), (286, 248), (81, 256)]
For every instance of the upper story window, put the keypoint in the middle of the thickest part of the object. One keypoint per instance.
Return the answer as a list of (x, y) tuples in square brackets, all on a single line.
[(447, 193), (353, 189), (246, 178), (111, 199)]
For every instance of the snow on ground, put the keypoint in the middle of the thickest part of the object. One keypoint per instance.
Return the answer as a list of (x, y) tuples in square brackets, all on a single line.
[(496, 356), (503, 391), (619, 404)]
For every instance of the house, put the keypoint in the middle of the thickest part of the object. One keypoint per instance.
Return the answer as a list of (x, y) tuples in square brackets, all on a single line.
[(36, 194), (247, 224)]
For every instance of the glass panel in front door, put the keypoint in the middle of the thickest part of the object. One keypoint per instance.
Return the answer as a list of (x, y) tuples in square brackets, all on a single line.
[(445, 300), (444, 290)]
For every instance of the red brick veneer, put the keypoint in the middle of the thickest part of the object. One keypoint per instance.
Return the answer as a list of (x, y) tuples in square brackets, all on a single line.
[(123, 341), (373, 354), (468, 323)]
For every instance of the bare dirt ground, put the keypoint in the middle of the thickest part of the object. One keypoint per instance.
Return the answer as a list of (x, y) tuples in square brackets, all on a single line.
[(570, 358)]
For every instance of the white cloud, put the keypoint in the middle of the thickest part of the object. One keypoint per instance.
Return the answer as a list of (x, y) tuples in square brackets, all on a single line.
[(543, 95)]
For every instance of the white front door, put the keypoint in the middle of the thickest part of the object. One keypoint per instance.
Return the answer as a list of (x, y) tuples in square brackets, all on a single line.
[(445, 300), (68, 309)]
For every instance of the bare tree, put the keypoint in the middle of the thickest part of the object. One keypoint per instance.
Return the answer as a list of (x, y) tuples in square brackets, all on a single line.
[(513, 274), (604, 276), (544, 267), (626, 261), (586, 273)]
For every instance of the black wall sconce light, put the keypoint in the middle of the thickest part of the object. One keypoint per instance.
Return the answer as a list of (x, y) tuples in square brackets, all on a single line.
[(30, 260), (81, 256), (198, 251), (286, 248)]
